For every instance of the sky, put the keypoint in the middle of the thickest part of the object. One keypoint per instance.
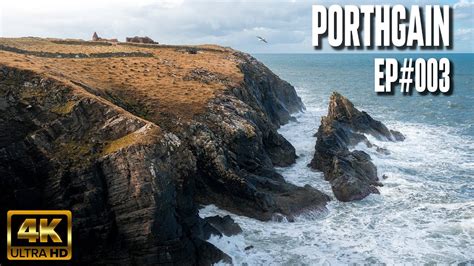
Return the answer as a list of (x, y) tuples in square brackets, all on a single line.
[(285, 24)]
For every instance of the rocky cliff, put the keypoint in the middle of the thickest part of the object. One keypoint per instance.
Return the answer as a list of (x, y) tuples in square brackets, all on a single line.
[(131, 142), (352, 174)]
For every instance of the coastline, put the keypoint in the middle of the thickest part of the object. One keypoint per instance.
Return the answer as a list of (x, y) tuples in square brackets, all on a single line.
[(110, 143), (232, 142)]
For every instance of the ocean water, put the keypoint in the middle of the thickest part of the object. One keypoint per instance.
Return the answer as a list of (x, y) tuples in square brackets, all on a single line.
[(425, 212)]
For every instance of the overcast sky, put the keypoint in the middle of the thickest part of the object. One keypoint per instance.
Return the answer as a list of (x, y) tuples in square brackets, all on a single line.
[(285, 24)]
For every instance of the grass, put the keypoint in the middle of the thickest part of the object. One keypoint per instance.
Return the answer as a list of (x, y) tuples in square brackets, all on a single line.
[(64, 109), (146, 86), (146, 134), (71, 153), (120, 143)]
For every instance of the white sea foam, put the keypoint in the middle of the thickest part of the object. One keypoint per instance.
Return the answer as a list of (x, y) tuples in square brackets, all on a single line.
[(424, 212)]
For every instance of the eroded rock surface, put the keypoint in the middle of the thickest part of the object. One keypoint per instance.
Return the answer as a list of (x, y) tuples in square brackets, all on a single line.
[(352, 174), (131, 162), (236, 144), (224, 225), (127, 182)]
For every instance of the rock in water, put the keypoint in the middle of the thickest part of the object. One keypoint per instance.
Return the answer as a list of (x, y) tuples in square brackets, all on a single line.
[(352, 174), (343, 111), (224, 225)]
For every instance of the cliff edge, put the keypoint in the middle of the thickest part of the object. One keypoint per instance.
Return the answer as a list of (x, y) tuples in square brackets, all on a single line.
[(131, 138)]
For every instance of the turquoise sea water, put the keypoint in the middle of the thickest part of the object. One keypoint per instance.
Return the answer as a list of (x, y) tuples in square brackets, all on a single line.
[(353, 76), (425, 212)]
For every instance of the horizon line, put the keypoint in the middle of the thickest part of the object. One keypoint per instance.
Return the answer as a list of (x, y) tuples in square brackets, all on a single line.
[(353, 53)]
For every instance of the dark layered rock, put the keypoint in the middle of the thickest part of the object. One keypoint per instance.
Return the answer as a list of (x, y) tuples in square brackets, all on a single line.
[(265, 91), (343, 111), (132, 184), (352, 174), (224, 225), (237, 145), (128, 183)]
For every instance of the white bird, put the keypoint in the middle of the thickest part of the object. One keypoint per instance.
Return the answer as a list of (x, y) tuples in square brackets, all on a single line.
[(262, 39)]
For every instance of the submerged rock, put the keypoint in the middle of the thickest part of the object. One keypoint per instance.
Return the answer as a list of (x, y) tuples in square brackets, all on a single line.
[(352, 174), (224, 225), (208, 254), (248, 247)]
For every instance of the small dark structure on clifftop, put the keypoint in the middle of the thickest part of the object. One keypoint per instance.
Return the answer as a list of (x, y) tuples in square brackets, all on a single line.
[(96, 38), (138, 39)]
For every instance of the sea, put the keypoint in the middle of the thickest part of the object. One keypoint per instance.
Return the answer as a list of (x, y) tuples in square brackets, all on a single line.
[(425, 211)]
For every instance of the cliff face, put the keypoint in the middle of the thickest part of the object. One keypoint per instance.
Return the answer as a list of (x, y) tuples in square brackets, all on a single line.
[(124, 179), (132, 145), (236, 145), (352, 174)]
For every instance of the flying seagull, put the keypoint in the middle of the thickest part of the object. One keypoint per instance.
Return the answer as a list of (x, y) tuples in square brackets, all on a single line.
[(262, 39)]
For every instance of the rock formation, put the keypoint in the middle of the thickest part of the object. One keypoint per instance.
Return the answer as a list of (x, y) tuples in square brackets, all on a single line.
[(351, 173), (224, 225), (132, 163)]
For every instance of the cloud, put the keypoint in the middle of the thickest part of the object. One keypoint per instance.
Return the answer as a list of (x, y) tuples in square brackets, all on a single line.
[(465, 34), (286, 24), (1, 22), (463, 4)]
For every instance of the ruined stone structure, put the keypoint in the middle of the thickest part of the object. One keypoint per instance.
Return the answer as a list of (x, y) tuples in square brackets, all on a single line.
[(138, 39), (96, 38)]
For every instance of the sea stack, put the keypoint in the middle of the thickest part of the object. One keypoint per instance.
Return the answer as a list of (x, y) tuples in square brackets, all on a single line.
[(352, 174)]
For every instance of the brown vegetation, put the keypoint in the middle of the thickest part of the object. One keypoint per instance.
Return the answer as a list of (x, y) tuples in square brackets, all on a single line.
[(170, 83)]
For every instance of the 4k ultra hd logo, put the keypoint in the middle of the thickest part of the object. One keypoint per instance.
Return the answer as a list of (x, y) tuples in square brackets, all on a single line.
[(39, 235)]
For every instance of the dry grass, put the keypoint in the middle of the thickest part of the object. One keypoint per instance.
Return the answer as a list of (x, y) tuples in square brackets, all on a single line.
[(64, 109), (145, 135), (151, 87), (120, 143), (46, 45)]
